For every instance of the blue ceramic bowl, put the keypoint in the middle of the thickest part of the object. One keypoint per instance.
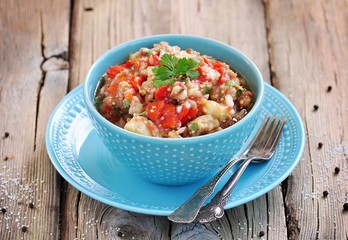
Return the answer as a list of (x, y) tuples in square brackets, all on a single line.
[(174, 161)]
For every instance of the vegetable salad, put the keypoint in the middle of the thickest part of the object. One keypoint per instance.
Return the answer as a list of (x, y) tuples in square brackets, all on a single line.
[(172, 93)]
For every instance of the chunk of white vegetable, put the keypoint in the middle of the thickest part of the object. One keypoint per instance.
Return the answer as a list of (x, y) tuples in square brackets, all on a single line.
[(179, 91), (229, 100), (203, 124), (222, 113), (210, 73), (142, 125), (135, 106)]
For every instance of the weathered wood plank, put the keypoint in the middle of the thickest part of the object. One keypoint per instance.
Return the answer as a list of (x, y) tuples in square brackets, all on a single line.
[(88, 43), (130, 225), (98, 26), (48, 199), (32, 83), (308, 42), (307, 53)]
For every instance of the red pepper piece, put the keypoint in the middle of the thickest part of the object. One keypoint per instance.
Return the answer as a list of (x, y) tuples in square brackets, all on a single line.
[(153, 60), (190, 115), (169, 120), (138, 62), (201, 78), (183, 113), (114, 85), (114, 70), (136, 81), (162, 92), (128, 64), (153, 110), (168, 117)]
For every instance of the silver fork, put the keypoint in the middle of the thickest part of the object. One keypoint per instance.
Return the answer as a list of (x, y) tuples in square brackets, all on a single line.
[(262, 148)]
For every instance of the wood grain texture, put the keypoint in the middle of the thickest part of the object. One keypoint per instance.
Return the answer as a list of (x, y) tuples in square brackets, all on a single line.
[(308, 54), (98, 26), (32, 83), (47, 48)]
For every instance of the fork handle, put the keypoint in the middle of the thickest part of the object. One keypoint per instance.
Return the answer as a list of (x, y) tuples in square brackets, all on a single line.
[(188, 211), (215, 208), (232, 182)]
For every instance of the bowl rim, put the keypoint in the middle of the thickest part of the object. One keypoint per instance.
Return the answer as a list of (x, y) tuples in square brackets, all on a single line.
[(92, 110)]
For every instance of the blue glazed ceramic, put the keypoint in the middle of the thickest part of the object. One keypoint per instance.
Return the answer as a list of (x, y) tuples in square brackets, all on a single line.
[(174, 161), (82, 159)]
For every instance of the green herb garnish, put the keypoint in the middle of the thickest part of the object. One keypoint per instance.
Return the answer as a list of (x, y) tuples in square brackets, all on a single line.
[(171, 68), (230, 84), (207, 90), (239, 92), (194, 127), (126, 103), (98, 102)]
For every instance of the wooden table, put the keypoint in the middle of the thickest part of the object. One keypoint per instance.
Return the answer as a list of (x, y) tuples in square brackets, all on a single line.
[(46, 48)]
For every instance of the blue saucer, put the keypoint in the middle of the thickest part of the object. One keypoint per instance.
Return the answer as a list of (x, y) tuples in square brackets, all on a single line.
[(81, 159)]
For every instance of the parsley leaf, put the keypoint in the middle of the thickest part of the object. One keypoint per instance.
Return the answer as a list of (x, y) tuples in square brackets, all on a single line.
[(163, 72), (169, 61), (191, 63), (171, 68), (192, 74), (181, 67)]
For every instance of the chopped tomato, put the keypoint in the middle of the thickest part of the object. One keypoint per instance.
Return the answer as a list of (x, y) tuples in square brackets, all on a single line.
[(169, 120), (114, 85), (112, 88), (162, 114), (162, 92), (153, 60), (133, 81), (168, 117), (114, 70), (184, 111), (201, 78), (128, 64), (168, 107), (221, 68), (156, 59), (154, 109), (206, 61), (191, 114), (218, 66), (136, 81), (139, 61)]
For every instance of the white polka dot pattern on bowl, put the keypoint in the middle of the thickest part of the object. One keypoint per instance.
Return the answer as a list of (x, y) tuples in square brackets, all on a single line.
[(173, 163)]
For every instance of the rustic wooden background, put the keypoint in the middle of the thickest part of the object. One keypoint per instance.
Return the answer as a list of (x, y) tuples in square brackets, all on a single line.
[(46, 48)]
